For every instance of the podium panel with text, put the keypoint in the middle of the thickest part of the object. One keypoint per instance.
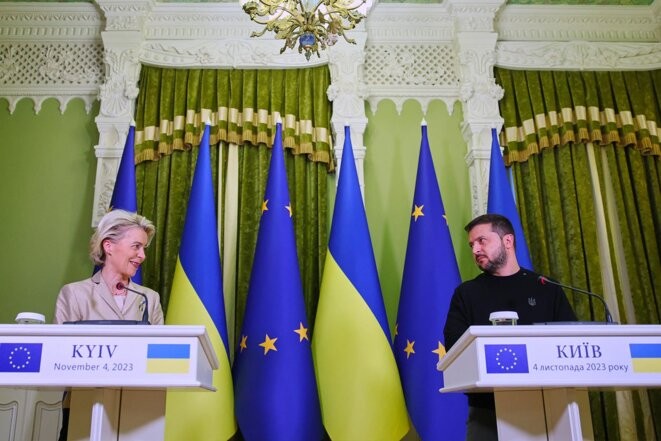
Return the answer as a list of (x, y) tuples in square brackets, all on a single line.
[(540, 374), (117, 373)]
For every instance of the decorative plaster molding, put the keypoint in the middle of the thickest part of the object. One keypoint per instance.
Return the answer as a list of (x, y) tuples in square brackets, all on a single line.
[(238, 54), (578, 55), (589, 23), (474, 16), (409, 24), (50, 51), (49, 22), (125, 16)]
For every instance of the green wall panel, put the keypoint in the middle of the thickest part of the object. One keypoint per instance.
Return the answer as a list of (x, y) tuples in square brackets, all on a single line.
[(47, 180)]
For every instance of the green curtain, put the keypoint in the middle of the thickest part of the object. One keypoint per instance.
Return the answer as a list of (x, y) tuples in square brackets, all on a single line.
[(242, 107), (554, 122)]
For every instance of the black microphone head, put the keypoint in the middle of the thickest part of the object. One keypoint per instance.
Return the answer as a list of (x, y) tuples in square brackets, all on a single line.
[(542, 280), (120, 286)]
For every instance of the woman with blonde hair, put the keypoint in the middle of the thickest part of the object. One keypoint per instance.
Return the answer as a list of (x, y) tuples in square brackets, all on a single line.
[(118, 248)]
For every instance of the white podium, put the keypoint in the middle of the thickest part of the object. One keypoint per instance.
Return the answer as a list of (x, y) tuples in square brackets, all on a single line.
[(118, 374), (540, 373)]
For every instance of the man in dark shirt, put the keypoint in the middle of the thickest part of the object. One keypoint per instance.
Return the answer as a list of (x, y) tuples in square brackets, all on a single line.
[(502, 286)]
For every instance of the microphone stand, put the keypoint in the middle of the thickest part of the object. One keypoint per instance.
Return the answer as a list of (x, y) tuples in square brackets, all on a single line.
[(609, 319), (145, 314)]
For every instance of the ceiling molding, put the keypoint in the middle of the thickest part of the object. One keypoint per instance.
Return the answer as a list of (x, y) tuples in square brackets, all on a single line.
[(587, 23), (57, 50)]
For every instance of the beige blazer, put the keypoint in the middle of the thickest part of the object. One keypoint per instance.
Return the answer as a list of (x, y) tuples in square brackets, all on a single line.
[(90, 299)]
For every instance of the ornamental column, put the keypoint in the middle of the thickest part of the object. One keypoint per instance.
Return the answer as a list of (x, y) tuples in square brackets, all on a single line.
[(122, 38), (348, 93), (475, 45)]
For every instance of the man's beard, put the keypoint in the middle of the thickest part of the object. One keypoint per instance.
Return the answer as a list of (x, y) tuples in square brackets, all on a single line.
[(498, 262)]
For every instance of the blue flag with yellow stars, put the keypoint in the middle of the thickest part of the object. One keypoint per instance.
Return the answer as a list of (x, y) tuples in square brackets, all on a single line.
[(501, 200), (275, 389), (430, 277)]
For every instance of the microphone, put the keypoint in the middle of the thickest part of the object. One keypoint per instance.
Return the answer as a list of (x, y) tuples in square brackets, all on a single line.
[(145, 314), (544, 280)]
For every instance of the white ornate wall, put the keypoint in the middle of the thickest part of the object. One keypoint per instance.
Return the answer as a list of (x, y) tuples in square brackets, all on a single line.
[(427, 52)]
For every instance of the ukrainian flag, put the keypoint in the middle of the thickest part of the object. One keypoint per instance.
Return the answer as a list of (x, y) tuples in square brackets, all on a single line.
[(168, 358), (645, 357), (359, 387), (197, 299)]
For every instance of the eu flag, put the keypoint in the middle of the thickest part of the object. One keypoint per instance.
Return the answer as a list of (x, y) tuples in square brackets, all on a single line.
[(20, 357), (275, 388), (506, 359), (430, 276), (124, 195), (359, 386), (501, 200), (196, 298)]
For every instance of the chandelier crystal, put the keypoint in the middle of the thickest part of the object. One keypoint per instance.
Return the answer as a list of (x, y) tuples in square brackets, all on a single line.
[(313, 25)]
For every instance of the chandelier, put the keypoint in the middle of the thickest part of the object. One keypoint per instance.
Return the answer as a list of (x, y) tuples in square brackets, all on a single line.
[(313, 25)]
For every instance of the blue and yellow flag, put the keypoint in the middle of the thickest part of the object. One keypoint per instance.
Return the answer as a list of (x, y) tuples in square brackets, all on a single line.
[(275, 388), (430, 276), (124, 193), (359, 387), (501, 200), (197, 299)]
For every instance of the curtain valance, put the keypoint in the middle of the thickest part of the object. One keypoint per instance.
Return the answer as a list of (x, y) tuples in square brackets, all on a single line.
[(174, 104), (545, 109)]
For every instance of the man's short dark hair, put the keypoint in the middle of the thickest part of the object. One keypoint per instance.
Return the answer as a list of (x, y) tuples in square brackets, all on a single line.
[(499, 224)]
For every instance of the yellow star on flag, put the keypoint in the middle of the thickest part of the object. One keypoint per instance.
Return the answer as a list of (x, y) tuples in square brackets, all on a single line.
[(417, 212), (269, 344), (244, 343), (302, 332), (409, 348), (288, 207), (264, 206), (440, 350)]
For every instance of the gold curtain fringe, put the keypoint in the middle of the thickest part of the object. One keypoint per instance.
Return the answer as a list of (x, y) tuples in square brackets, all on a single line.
[(240, 135), (629, 139), (512, 156), (180, 126), (568, 136), (555, 139), (646, 146), (584, 134), (323, 157), (613, 137), (146, 155), (522, 143), (656, 149), (601, 112)]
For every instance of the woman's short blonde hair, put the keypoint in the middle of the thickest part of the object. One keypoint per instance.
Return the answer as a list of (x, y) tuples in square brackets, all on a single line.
[(113, 226)]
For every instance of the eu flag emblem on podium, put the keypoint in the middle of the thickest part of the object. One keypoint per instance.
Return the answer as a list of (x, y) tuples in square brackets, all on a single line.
[(20, 357), (506, 359)]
